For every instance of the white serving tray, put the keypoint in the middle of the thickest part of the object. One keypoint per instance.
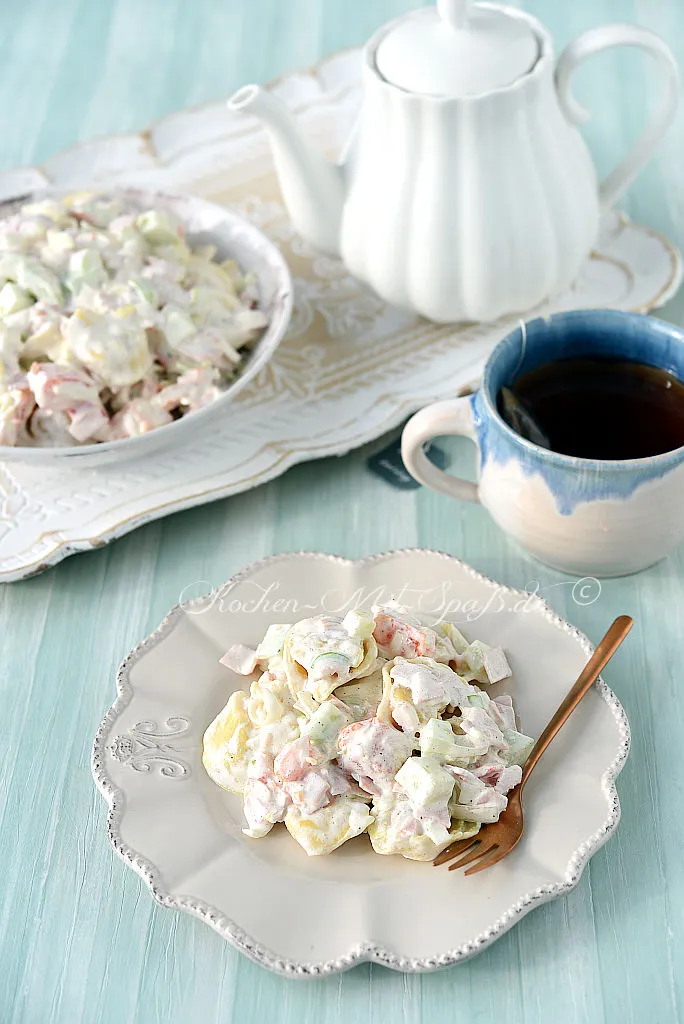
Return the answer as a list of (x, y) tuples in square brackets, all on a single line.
[(351, 368)]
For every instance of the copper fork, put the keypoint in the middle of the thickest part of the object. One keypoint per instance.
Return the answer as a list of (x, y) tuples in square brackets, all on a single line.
[(495, 841)]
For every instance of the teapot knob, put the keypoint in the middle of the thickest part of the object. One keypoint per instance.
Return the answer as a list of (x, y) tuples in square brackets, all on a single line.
[(454, 12)]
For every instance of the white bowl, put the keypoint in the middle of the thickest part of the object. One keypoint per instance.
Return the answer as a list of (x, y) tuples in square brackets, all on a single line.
[(306, 916), (235, 238)]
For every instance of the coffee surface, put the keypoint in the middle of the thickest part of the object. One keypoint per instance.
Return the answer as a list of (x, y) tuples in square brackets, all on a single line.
[(596, 408)]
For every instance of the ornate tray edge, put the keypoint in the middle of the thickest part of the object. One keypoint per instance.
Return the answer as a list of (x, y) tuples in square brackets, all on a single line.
[(34, 176), (281, 463), (40, 173), (366, 952)]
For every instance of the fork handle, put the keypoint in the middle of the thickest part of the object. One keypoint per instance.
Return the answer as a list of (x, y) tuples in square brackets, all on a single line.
[(587, 677)]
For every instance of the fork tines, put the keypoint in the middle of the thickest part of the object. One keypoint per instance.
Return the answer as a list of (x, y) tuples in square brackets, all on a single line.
[(456, 849), (470, 850)]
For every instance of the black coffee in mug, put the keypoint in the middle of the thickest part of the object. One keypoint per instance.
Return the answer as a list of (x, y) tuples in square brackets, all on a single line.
[(597, 408)]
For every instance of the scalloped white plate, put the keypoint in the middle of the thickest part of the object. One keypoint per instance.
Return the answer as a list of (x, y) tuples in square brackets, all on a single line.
[(302, 916)]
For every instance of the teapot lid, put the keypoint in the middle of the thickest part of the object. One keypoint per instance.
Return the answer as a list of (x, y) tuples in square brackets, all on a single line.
[(457, 48)]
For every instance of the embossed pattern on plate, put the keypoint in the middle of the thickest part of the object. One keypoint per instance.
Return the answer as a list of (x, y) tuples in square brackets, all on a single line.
[(351, 367)]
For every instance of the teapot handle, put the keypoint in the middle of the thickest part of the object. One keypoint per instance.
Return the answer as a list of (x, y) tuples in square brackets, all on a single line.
[(595, 41)]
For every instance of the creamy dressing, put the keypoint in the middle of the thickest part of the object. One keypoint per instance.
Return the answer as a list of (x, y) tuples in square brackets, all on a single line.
[(429, 761), (111, 325)]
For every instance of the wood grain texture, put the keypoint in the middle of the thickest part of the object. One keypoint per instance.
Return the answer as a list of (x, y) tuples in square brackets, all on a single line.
[(80, 938)]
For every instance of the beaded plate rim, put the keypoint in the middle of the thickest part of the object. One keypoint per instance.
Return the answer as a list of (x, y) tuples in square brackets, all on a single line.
[(366, 952)]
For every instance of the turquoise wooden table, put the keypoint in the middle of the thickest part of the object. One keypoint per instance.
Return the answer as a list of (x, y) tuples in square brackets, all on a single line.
[(81, 940)]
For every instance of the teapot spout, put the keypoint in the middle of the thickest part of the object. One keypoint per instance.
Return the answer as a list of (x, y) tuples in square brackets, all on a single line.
[(312, 187)]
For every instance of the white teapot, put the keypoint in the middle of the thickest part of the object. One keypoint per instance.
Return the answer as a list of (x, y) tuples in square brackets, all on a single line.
[(465, 191)]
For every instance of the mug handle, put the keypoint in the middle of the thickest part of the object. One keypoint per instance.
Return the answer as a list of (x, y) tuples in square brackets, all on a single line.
[(454, 417), (605, 38)]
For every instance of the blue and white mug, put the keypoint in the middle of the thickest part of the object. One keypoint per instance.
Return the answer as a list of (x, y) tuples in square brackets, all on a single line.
[(589, 517)]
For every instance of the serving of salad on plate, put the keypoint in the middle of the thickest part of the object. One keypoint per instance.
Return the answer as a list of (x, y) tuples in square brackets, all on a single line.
[(111, 324), (375, 722)]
